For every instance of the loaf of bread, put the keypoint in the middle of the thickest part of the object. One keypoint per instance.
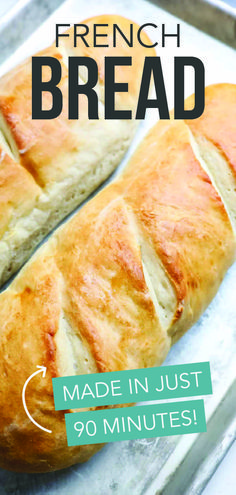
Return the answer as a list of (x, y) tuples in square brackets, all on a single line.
[(48, 167), (114, 287)]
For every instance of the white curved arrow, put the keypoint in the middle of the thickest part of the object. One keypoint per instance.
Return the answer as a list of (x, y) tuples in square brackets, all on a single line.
[(42, 369)]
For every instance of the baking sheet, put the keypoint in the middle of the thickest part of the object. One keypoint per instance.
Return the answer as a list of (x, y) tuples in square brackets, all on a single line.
[(215, 17), (171, 465), (19, 19)]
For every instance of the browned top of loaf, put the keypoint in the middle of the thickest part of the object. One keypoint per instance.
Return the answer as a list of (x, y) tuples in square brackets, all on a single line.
[(218, 122)]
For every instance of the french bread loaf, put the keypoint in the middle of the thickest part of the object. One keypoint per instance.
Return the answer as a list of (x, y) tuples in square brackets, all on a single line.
[(48, 167), (114, 287)]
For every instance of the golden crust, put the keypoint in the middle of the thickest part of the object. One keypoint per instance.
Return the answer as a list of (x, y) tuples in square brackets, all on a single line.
[(218, 124), (46, 162), (106, 289), (22, 349)]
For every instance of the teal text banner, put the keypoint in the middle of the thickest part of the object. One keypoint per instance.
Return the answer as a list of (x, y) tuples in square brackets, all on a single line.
[(128, 423), (124, 387)]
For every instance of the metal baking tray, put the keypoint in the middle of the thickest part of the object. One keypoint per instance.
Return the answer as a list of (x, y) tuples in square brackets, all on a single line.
[(178, 465), (215, 17), (20, 20)]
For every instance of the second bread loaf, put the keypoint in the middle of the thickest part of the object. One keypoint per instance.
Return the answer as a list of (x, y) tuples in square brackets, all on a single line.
[(48, 167)]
